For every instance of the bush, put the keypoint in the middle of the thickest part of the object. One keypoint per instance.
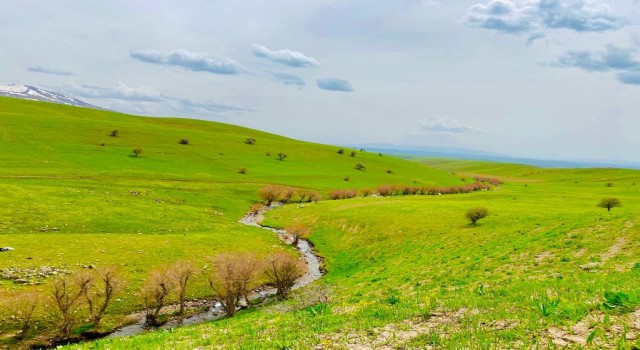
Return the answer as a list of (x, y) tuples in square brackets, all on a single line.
[(385, 190), (184, 141), (282, 270), (298, 231), (232, 279), (250, 141), (353, 153), (343, 194), (609, 203), (281, 156), (270, 194), (154, 293), (475, 214), (360, 167), (242, 171), (114, 133), (136, 151), (341, 151)]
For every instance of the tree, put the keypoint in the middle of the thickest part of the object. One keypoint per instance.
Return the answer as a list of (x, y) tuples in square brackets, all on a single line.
[(184, 141), (232, 278), (340, 151), (99, 288), (155, 293), (250, 141), (353, 153), (19, 309), (360, 167), (270, 194), (114, 133), (281, 156), (298, 231), (66, 296), (136, 151), (281, 271), (181, 273), (609, 203), (475, 214)]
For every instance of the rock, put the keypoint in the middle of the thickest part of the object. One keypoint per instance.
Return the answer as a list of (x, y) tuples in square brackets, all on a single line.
[(21, 281), (5, 249)]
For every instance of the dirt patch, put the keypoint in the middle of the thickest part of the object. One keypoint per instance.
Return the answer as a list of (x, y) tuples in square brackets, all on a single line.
[(604, 333), (543, 256)]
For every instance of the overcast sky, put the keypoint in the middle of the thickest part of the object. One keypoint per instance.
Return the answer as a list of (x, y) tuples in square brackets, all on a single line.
[(534, 78)]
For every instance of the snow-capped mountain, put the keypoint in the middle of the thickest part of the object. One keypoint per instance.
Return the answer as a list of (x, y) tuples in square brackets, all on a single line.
[(33, 93)]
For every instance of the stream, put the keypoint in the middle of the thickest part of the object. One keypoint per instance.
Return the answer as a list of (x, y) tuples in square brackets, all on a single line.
[(216, 311)]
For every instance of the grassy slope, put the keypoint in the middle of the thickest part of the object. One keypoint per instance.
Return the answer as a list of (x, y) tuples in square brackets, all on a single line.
[(67, 201), (410, 272)]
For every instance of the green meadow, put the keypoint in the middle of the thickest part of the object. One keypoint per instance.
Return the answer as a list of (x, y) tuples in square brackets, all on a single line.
[(547, 269)]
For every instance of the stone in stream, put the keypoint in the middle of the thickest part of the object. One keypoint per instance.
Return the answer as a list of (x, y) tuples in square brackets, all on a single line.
[(5, 249)]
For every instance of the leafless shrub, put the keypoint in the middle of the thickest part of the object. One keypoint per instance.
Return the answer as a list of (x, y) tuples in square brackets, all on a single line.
[(155, 293), (66, 293), (281, 156), (98, 288), (298, 231), (281, 270), (19, 309), (232, 278), (181, 272), (270, 193)]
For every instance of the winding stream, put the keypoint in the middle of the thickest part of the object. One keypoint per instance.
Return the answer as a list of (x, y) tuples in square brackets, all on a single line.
[(216, 311)]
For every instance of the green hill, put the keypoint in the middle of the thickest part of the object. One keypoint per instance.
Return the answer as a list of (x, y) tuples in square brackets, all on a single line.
[(74, 196)]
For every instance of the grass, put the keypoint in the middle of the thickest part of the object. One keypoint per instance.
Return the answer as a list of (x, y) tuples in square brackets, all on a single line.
[(410, 271), (74, 196)]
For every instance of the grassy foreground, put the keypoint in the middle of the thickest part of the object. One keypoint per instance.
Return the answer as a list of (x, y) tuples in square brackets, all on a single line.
[(547, 269), (73, 196)]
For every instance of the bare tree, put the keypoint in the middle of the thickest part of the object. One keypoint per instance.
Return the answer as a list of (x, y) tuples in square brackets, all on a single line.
[(66, 296), (232, 279), (98, 288), (609, 203), (155, 293), (298, 231), (270, 194), (281, 156), (181, 273), (475, 214), (19, 309), (281, 270)]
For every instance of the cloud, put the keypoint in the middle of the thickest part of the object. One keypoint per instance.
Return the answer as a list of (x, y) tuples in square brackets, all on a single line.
[(190, 60), (120, 91), (289, 79), (332, 84), (209, 106), (448, 126), (526, 16), (286, 57), (613, 58), (39, 69)]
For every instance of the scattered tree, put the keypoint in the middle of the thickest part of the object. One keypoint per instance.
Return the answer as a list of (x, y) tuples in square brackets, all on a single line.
[(184, 141), (298, 231), (66, 296), (346, 178), (475, 214), (609, 203), (114, 133), (268, 154), (282, 270), (286, 193), (181, 272), (270, 194), (19, 308), (137, 151), (360, 167), (340, 151), (232, 278), (366, 192), (250, 141), (281, 156), (609, 184), (98, 288), (353, 153), (242, 171), (155, 293)]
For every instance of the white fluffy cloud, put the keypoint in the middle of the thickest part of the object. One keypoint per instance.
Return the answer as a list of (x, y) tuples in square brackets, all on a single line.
[(448, 126), (286, 57), (198, 62)]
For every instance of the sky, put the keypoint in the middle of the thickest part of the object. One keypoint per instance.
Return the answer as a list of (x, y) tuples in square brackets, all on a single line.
[(543, 79)]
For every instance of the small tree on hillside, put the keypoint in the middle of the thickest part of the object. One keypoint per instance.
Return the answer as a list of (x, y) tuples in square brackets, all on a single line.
[(270, 194), (282, 270), (98, 289), (298, 231), (66, 296), (181, 272), (475, 214), (360, 167), (609, 203), (155, 293), (281, 156), (250, 141), (232, 278), (184, 141), (136, 151), (114, 133)]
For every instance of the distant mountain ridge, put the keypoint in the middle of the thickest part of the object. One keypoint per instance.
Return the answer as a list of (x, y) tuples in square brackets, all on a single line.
[(29, 92), (467, 154)]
